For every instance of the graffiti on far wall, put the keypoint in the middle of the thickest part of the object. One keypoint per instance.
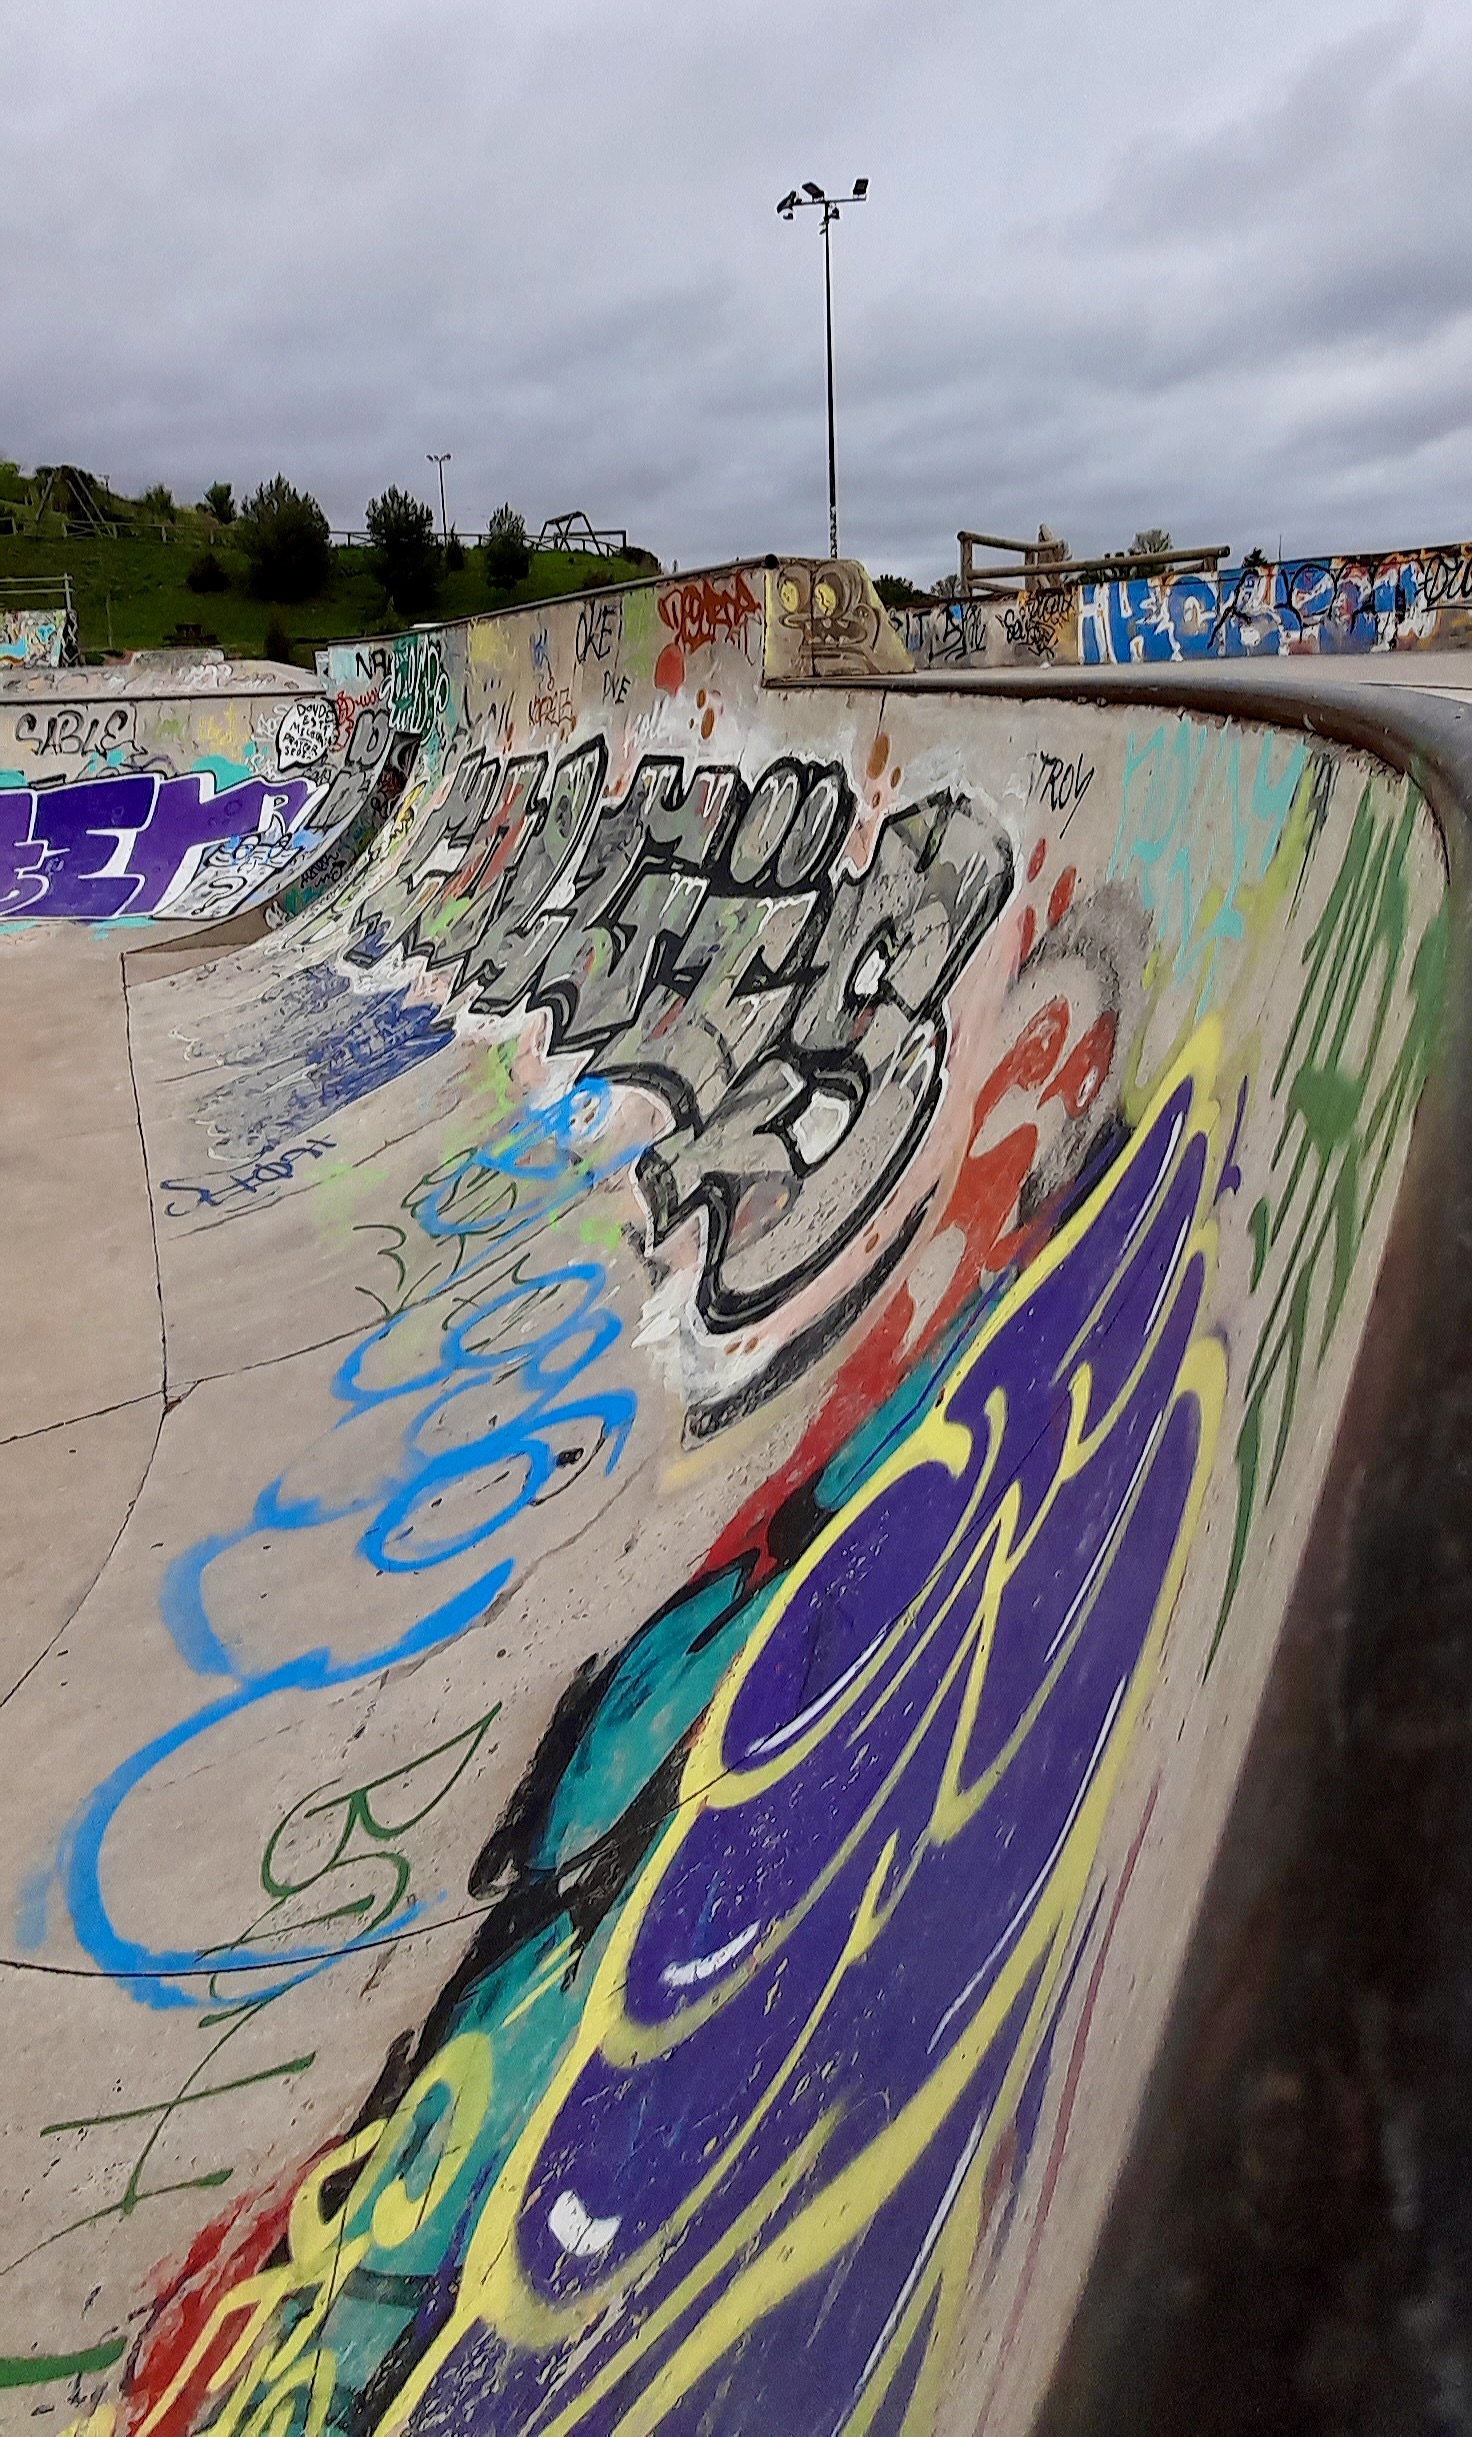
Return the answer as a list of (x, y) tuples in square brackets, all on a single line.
[(1397, 601)]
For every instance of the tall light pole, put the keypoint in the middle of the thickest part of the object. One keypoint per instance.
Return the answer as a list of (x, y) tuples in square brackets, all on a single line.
[(812, 198), (441, 461)]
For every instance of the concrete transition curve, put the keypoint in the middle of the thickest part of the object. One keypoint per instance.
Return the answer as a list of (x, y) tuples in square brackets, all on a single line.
[(680, 1307)]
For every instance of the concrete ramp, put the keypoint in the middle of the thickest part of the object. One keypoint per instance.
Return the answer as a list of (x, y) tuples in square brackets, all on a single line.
[(655, 1453)]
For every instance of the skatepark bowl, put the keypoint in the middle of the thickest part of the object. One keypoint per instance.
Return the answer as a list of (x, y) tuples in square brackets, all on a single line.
[(735, 1693)]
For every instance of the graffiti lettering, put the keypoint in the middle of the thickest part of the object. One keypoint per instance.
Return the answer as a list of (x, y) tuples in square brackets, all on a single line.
[(706, 611), (1033, 622), (217, 1193), (707, 940), (75, 732), (1062, 785), (128, 842), (599, 626), (308, 730)]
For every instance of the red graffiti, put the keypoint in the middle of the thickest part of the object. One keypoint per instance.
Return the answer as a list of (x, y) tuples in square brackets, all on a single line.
[(1062, 897), (1077, 1081), (231, 2249), (702, 612), (347, 707), (982, 1206)]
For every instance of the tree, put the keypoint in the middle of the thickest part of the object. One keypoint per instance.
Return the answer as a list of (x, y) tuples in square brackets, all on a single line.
[(158, 500), (207, 575), (454, 554), (895, 591), (507, 553), (220, 501), (277, 645), (406, 556), (287, 542)]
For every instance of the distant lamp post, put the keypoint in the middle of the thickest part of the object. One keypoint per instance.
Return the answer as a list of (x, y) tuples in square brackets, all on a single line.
[(813, 198), (440, 462)]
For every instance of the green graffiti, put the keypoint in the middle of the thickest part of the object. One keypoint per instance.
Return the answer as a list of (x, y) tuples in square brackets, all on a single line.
[(46, 2368), (1340, 1128)]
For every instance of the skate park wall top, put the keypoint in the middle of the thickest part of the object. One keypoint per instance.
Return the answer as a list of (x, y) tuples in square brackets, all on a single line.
[(700, 1355), (1346, 604)]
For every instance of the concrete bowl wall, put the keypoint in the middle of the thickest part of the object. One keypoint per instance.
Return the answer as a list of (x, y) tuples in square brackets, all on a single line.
[(659, 1448)]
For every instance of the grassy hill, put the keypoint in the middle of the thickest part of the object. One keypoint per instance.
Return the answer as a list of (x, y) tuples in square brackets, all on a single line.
[(131, 594)]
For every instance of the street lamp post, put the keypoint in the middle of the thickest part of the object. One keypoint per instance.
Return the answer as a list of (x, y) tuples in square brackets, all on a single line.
[(812, 198), (441, 461)]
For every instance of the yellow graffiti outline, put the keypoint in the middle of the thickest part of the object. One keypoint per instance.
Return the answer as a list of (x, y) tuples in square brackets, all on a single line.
[(322, 2252), (492, 2291)]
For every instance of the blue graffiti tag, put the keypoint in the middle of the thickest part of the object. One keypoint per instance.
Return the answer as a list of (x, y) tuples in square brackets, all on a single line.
[(529, 1334)]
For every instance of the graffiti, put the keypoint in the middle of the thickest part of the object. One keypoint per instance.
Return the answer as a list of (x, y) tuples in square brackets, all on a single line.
[(553, 708), (1197, 840), (76, 733), (1343, 1115), (1404, 598), (1399, 600), (346, 707), (432, 1471), (308, 731), (1345, 605), (828, 621), (1147, 618), (1062, 785), (343, 1846), (821, 2077), (708, 941), (356, 808), (421, 694), (39, 638), (953, 632), (708, 610), (599, 627), (217, 1192), (1035, 620), (237, 871), (134, 842), (317, 1046), (749, 2042), (128, 842)]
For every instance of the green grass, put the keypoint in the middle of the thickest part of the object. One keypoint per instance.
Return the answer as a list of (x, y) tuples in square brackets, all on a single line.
[(130, 594)]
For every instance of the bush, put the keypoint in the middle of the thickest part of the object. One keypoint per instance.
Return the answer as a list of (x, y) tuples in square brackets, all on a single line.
[(507, 552), (207, 575), (287, 542), (219, 499), (158, 504), (405, 557), (895, 591), (277, 645)]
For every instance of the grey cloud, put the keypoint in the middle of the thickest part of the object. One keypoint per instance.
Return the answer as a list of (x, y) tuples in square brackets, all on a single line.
[(1158, 264)]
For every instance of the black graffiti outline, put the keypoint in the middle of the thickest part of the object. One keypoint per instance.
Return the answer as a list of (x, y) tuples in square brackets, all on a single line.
[(729, 906)]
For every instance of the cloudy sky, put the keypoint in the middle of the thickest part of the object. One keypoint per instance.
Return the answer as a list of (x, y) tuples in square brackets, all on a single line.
[(1145, 262)]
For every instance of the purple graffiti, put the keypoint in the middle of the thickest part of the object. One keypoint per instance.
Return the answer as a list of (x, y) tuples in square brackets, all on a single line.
[(115, 845), (759, 2172)]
